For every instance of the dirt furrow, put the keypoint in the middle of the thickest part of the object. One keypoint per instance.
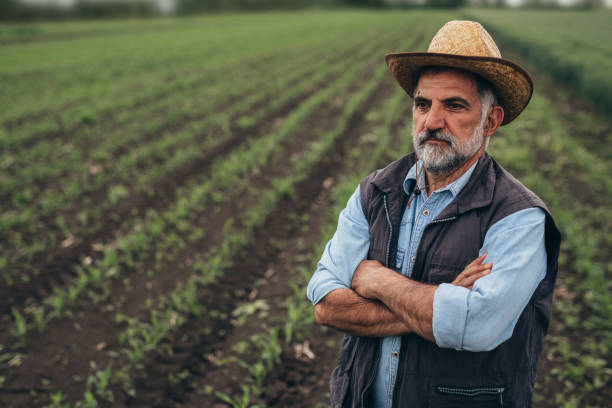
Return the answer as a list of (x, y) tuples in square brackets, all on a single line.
[(301, 380), (50, 268), (57, 264), (69, 134), (193, 114), (266, 271), (97, 339)]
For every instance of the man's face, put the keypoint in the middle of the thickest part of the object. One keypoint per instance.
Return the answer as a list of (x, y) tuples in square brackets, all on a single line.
[(447, 128)]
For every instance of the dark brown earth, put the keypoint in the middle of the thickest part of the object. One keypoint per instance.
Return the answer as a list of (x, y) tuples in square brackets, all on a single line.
[(91, 333), (56, 266)]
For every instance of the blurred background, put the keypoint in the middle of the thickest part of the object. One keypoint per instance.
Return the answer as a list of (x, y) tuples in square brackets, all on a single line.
[(27, 9)]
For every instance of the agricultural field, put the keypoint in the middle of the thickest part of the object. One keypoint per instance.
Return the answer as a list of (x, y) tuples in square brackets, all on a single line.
[(167, 187)]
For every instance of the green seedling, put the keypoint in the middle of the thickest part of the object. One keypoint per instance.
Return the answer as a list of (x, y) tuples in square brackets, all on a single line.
[(242, 401), (58, 400), (117, 193), (98, 385), (21, 326), (39, 319)]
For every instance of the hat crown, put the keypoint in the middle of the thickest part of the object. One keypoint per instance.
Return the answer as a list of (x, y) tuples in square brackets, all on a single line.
[(468, 38)]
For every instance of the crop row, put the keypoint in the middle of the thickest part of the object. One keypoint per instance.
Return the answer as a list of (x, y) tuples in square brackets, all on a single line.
[(104, 70), (215, 79), (196, 91), (260, 354), (266, 345), (170, 153), (158, 232), (35, 166), (194, 223), (264, 146), (142, 336), (137, 335)]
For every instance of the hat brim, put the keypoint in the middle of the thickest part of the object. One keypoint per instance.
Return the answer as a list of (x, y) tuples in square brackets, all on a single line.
[(512, 83)]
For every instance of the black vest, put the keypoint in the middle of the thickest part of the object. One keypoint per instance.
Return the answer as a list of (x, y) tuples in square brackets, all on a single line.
[(430, 376)]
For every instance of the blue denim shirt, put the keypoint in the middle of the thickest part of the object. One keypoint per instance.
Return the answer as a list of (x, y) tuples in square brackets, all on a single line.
[(475, 320)]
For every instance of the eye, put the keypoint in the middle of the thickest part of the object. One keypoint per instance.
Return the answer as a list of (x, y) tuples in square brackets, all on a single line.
[(420, 105), (455, 106)]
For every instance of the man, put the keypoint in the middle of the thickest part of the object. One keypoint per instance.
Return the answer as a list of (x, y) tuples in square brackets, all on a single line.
[(442, 268)]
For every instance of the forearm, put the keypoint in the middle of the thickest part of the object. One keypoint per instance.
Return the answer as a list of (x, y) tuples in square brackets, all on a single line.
[(345, 310), (410, 301)]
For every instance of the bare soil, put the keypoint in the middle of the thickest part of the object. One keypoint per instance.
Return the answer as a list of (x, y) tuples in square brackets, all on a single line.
[(91, 334), (56, 266)]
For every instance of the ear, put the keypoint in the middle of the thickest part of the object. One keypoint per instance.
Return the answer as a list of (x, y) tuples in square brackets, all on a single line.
[(495, 117)]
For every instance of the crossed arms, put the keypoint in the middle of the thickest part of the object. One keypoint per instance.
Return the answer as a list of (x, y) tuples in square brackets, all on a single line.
[(384, 303), (456, 315)]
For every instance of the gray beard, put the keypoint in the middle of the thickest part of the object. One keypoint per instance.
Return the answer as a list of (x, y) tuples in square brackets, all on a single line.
[(443, 159)]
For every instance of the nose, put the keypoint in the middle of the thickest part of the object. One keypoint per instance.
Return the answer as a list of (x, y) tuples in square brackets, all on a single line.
[(435, 117)]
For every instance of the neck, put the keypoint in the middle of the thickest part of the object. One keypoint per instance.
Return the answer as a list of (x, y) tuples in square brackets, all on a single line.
[(436, 181)]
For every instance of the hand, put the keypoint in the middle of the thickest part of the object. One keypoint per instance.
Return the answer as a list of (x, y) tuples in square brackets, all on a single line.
[(474, 271), (366, 276)]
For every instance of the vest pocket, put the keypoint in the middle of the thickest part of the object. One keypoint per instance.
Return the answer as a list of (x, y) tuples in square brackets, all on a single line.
[(475, 397), (438, 273)]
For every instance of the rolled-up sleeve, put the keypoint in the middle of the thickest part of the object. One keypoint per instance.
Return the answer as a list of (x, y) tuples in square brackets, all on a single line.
[(347, 248), (483, 318)]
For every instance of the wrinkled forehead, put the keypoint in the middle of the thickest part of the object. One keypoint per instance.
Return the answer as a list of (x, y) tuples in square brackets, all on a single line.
[(465, 80)]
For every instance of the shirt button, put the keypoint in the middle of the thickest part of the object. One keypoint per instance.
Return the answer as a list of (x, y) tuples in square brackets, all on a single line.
[(395, 354), (413, 259), (426, 213)]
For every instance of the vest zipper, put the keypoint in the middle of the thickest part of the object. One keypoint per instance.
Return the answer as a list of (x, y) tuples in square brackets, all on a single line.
[(473, 392), (370, 379), (387, 213), (442, 220)]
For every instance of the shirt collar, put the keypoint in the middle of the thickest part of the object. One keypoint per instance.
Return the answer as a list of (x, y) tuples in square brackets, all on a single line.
[(455, 187)]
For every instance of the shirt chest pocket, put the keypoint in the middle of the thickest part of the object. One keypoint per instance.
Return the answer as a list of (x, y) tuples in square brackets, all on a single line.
[(405, 231)]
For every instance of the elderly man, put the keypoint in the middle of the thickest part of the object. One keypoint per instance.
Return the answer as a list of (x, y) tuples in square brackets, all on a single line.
[(442, 268)]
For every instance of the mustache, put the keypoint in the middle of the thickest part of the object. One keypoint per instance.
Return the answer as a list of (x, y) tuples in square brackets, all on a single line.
[(426, 135)]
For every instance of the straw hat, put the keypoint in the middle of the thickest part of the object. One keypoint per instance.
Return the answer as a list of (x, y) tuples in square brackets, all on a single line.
[(467, 45)]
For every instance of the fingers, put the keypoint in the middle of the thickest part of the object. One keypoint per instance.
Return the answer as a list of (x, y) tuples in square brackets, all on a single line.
[(476, 266), (478, 261), (469, 281), (474, 271)]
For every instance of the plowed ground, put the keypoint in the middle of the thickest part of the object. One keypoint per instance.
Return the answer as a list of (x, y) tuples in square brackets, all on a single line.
[(161, 218)]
